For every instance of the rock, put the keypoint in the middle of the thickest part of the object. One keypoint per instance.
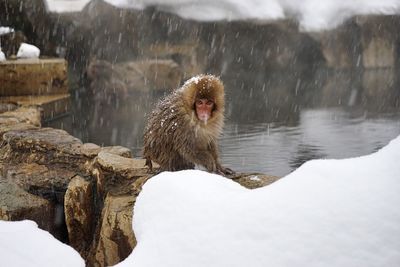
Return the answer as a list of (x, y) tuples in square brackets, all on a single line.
[(118, 150), (40, 76), (115, 239), (45, 146), (4, 107), (90, 149), (380, 84), (379, 39), (115, 173), (80, 214), (254, 180), (13, 126), (41, 180), (49, 106), (191, 57), (341, 46), (17, 204), (136, 76), (21, 115), (153, 74)]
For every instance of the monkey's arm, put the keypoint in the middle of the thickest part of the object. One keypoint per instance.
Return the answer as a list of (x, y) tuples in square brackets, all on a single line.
[(192, 151), (220, 169)]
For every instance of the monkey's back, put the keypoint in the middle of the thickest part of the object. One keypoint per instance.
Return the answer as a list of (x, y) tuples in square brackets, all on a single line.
[(165, 134)]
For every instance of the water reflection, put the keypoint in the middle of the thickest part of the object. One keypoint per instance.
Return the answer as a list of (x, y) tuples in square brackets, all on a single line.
[(274, 121), (320, 133)]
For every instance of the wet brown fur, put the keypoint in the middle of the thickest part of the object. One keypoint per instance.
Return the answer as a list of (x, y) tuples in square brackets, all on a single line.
[(175, 138)]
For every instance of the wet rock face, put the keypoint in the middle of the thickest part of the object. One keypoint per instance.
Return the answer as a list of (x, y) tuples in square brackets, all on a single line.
[(79, 208)]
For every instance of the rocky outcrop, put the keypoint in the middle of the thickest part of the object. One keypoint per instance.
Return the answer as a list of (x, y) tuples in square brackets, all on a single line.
[(365, 42), (121, 79), (79, 209), (17, 204), (115, 238)]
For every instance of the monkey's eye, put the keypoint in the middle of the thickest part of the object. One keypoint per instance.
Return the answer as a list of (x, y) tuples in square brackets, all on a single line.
[(209, 103), (199, 102)]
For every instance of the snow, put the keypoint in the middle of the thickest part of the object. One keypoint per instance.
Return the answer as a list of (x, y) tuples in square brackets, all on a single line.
[(24, 244), (313, 15), (326, 213), (60, 6), (28, 51), (5, 30), (2, 56)]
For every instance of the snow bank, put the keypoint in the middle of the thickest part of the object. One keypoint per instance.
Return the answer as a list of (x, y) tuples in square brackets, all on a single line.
[(28, 51), (313, 15), (5, 30), (24, 244), (326, 213), (60, 6), (2, 55)]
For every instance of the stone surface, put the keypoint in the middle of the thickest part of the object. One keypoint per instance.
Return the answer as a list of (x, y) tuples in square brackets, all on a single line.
[(79, 211), (17, 204), (45, 146), (50, 106), (118, 150), (191, 57), (254, 180), (341, 46), (28, 115), (33, 77), (41, 180), (379, 39), (115, 239), (135, 76), (115, 173), (4, 107)]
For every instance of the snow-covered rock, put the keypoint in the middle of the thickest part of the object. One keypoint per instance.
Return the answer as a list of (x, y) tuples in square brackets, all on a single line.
[(326, 213), (24, 244), (5, 30), (313, 15), (2, 56), (28, 51)]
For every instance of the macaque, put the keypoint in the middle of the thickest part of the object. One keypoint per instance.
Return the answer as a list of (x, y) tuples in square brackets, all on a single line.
[(184, 128)]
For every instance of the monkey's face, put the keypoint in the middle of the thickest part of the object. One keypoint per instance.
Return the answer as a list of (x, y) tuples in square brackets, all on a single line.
[(204, 108)]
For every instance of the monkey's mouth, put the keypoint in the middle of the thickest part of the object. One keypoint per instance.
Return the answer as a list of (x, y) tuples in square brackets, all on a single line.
[(203, 116)]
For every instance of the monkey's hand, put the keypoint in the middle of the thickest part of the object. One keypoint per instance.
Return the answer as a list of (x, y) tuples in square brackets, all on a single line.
[(224, 171)]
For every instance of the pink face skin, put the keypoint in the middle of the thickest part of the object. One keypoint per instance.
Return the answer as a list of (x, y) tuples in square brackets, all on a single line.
[(204, 108)]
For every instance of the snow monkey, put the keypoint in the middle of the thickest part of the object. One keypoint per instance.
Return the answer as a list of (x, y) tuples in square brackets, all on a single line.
[(184, 128)]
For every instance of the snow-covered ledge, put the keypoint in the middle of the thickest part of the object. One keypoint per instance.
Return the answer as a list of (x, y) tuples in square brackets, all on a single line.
[(326, 213)]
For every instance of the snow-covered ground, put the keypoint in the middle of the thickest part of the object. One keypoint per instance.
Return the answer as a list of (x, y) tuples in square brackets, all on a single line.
[(326, 213), (313, 14), (23, 244)]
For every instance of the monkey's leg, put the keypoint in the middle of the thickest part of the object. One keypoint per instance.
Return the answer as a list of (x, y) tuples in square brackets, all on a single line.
[(149, 164)]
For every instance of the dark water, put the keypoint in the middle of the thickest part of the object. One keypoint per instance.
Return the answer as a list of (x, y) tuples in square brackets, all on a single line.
[(273, 123)]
